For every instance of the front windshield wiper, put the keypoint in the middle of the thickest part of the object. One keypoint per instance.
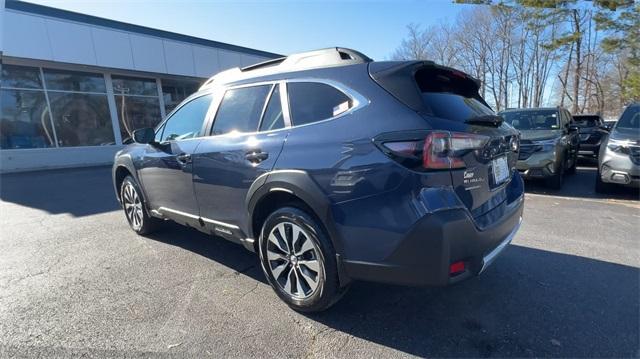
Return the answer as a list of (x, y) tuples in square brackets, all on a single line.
[(485, 120)]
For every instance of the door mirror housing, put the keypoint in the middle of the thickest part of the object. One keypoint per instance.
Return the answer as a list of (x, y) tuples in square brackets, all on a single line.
[(573, 128), (604, 128), (144, 135)]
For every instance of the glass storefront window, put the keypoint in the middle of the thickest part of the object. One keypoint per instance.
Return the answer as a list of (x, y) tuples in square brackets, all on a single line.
[(81, 119), (174, 92), (134, 86), (20, 77), (137, 104), (24, 121), (136, 112), (74, 81), (74, 110)]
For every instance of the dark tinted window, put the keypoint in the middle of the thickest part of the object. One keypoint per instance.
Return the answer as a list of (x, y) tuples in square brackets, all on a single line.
[(450, 95), (74, 81), (533, 119), (174, 92), (24, 120), (20, 77), (273, 119), (134, 86), (187, 121), (586, 121), (81, 119), (312, 102), (240, 110), (630, 118)]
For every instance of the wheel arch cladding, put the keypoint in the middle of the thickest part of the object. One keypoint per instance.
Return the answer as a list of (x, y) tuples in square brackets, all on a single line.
[(119, 175), (122, 168), (282, 188)]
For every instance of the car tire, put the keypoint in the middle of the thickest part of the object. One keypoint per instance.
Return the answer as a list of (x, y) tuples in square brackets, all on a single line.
[(294, 251), (135, 209), (557, 179)]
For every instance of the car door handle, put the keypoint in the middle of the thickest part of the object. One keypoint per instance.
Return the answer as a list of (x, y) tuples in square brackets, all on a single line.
[(184, 158), (256, 156)]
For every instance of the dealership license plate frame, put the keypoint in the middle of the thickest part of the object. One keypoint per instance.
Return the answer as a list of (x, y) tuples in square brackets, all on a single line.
[(500, 169)]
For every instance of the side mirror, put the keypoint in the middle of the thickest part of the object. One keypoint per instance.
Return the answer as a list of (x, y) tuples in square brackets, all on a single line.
[(573, 128), (605, 128), (144, 135)]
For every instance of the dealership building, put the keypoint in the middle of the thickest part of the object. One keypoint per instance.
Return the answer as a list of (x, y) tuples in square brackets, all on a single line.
[(75, 86)]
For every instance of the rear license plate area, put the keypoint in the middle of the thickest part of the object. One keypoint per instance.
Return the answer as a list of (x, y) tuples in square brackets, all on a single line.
[(500, 169)]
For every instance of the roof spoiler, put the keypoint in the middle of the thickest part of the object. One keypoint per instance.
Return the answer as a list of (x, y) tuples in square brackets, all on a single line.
[(398, 78)]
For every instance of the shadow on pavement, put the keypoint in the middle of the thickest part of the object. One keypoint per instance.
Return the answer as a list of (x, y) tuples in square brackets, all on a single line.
[(79, 192), (582, 185), (218, 249), (529, 303)]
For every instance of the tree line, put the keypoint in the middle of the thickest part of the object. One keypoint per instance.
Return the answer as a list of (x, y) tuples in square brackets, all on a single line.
[(584, 56)]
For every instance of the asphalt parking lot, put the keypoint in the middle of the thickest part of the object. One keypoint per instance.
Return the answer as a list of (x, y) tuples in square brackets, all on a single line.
[(76, 281)]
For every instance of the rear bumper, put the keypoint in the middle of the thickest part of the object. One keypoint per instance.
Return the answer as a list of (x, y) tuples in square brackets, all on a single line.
[(440, 239)]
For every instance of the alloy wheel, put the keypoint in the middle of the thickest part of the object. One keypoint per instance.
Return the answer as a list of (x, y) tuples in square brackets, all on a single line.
[(293, 260), (132, 206)]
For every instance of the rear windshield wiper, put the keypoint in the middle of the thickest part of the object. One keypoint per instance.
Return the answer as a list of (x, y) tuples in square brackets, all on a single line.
[(485, 120)]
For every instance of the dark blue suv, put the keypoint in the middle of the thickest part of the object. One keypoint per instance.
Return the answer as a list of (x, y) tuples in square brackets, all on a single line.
[(334, 168)]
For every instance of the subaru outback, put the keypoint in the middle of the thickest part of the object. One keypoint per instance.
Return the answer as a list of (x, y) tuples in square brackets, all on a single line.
[(334, 168)]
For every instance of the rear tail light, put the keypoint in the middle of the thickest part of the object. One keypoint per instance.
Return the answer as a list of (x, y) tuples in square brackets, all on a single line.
[(437, 150), (456, 268)]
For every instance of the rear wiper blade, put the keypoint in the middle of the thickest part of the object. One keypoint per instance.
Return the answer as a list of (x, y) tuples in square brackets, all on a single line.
[(485, 120)]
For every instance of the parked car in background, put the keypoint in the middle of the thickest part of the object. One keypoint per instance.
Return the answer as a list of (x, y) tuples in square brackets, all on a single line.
[(334, 168), (619, 159), (608, 124), (592, 131), (549, 143)]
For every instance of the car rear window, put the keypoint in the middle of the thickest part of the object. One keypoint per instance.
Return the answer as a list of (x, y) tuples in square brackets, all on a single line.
[(586, 121), (451, 95)]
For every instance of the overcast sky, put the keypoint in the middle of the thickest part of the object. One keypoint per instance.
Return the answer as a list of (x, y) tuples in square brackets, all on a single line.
[(374, 27)]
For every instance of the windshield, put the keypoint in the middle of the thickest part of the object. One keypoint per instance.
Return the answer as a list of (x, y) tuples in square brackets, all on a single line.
[(630, 118), (586, 121), (532, 119)]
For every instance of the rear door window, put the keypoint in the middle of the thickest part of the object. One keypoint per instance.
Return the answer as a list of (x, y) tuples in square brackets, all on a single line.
[(240, 110), (312, 102)]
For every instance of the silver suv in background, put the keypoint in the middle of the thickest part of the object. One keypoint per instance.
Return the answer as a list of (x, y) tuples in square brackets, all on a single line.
[(619, 157), (549, 143)]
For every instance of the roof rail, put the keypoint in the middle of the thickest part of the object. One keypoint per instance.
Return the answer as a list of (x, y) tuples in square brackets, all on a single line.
[(333, 56)]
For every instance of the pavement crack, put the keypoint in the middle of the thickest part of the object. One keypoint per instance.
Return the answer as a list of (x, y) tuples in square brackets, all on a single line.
[(311, 349)]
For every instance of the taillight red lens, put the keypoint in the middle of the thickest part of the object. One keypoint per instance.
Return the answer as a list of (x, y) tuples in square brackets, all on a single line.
[(456, 268), (407, 148), (435, 152), (438, 150)]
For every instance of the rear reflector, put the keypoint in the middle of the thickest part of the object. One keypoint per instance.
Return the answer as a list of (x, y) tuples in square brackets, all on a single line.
[(456, 268)]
